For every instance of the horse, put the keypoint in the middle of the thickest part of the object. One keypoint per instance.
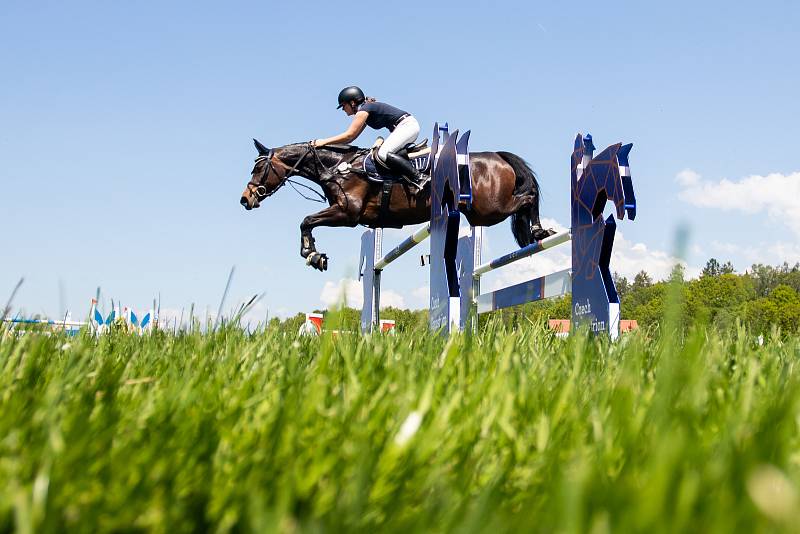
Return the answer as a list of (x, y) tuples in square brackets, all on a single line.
[(503, 185)]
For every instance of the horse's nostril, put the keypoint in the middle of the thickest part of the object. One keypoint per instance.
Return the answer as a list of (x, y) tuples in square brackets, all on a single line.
[(243, 201)]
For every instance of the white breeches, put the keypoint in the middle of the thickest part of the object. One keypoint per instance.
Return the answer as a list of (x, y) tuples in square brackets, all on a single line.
[(404, 133)]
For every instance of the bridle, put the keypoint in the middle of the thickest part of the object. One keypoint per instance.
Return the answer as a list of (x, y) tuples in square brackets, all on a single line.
[(260, 188)]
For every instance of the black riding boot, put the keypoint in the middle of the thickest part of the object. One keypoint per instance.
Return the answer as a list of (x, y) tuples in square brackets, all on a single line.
[(405, 169)]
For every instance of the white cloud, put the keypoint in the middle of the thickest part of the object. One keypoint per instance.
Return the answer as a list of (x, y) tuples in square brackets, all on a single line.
[(778, 195), (418, 298), (629, 258), (554, 260), (422, 292), (687, 178), (487, 240), (350, 293), (392, 298), (256, 313), (767, 253), (347, 292), (788, 252), (547, 222), (750, 252)]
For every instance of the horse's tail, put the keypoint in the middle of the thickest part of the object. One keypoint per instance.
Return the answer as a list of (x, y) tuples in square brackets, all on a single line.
[(522, 222)]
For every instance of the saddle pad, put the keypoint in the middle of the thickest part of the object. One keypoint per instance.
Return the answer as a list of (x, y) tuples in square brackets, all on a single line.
[(373, 171)]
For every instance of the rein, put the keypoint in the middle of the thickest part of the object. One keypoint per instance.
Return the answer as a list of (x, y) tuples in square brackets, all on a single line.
[(261, 189)]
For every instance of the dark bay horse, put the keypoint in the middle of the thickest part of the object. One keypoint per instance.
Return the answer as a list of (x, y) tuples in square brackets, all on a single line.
[(503, 185)]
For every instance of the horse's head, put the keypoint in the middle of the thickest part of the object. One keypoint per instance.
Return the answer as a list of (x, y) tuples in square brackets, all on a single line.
[(265, 178)]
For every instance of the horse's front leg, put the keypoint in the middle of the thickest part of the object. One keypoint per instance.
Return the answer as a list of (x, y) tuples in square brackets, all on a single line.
[(332, 216)]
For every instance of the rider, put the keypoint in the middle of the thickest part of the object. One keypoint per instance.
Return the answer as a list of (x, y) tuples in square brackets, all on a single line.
[(403, 128)]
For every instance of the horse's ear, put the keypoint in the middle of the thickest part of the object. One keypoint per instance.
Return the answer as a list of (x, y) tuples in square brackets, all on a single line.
[(262, 150)]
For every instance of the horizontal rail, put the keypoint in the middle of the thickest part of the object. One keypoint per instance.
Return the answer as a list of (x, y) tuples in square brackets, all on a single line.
[(551, 285), (410, 242), (524, 252)]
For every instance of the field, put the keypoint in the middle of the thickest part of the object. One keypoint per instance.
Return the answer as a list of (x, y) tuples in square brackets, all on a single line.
[(502, 431)]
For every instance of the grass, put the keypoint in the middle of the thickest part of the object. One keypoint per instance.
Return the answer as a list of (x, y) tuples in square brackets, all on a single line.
[(502, 431)]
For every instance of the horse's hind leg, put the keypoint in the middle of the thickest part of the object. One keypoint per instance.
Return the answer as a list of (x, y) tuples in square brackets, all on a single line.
[(521, 219), (518, 207), (537, 233), (525, 223)]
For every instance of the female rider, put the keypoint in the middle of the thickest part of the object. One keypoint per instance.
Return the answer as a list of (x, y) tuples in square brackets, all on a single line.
[(403, 128)]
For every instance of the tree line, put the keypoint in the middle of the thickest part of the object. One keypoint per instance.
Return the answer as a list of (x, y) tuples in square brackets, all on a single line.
[(761, 299)]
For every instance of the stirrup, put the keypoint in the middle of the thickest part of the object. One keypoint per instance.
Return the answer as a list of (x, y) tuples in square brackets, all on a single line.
[(420, 183)]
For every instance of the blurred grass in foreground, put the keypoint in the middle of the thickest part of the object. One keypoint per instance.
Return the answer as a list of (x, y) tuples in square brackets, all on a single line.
[(501, 431)]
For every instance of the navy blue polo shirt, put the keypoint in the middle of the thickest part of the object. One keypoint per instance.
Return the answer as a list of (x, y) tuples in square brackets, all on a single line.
[(382, 115)]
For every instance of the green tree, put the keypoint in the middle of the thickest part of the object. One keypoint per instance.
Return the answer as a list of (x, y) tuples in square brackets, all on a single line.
[(781, 308), (766, 278), (677, 274), (641, 280), (622, 284), (791, 277), (644, 303), (719, 298), (406, 320), (713, 268), (787, 302)]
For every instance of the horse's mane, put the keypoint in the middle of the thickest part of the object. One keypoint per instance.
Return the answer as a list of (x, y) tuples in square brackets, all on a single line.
[(339, 149), (343, 149)]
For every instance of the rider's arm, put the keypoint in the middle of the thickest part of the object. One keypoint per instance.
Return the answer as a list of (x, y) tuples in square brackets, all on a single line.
[(355, 129)]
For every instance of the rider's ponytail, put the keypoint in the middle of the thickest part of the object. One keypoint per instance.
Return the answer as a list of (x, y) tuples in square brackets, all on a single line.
[(369, 99)]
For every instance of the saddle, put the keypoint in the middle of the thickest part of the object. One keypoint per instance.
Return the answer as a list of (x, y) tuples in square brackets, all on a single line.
[(377, 171)]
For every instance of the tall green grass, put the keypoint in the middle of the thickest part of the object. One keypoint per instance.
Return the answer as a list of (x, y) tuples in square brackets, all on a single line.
[(500, 431)]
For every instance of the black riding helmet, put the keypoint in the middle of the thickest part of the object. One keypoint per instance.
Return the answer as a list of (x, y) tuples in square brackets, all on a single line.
[(350, 93)]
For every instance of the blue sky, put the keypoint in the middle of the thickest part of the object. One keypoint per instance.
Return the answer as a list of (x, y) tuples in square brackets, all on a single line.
[(125, 133)]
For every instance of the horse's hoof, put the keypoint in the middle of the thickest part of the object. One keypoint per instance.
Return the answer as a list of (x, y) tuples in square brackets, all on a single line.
[(318, 261), (540, 233)]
